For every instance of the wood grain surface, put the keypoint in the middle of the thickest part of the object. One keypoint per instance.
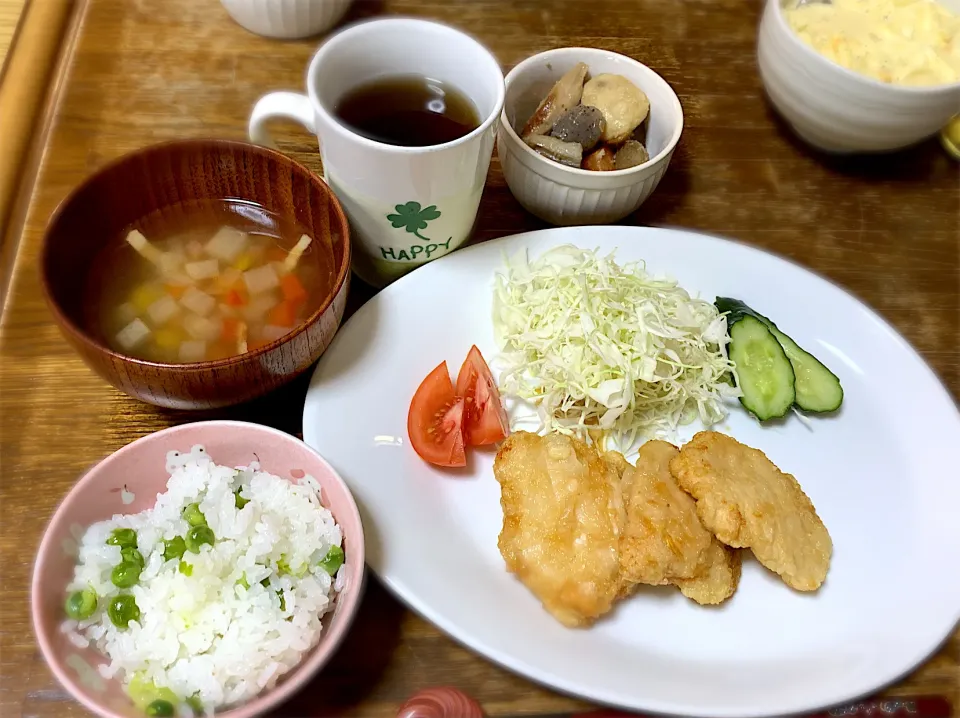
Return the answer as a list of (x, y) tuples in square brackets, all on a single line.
[(25, 77), (141, 71), (9, 17)]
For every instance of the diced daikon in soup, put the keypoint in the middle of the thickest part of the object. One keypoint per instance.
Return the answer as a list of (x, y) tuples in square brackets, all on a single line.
[(207, 280)]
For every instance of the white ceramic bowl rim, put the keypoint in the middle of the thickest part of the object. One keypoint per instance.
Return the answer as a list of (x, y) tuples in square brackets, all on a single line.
[(346, 34), (537, 157), (869, 81)]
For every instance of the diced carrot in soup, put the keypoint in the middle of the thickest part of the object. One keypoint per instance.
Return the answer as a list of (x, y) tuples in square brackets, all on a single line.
[(292, 289), (230, 329), (228, 279), (283, 315), (235, 298), (207, 281)]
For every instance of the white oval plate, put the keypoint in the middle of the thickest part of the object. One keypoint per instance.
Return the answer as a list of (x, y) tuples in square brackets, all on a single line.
[(882, 474)]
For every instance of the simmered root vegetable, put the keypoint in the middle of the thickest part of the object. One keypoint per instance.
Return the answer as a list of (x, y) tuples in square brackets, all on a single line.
[(568, 153), (631, 154), (582, 124), (600, 160), (596, 124), (623, 105), (564, 95), (191, 298)]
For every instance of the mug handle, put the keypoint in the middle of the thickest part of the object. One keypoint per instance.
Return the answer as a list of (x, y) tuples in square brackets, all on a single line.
[(288, 105)]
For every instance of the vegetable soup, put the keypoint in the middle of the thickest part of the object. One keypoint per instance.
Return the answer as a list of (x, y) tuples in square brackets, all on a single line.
[(207, 280)]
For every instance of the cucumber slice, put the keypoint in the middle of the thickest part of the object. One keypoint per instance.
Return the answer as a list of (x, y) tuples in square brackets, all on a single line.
[(765, 373), (818, 389)]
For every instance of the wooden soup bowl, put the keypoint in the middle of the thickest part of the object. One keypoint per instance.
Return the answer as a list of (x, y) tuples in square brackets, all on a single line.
[(162, 177)]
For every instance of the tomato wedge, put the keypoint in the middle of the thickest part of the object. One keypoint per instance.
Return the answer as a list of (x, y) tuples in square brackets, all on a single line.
[(435, 420), (485, 419)]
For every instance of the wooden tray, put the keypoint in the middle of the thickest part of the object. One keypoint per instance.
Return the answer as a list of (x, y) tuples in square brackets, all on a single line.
[(135, 72)]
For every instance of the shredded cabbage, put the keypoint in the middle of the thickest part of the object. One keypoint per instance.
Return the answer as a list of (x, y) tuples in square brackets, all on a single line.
[(606, 352)]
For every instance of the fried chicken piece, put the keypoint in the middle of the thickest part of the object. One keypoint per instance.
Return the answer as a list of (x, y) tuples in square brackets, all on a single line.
[(749, 503), (663, 538), (664, 541), (562, 517), (716, 578)]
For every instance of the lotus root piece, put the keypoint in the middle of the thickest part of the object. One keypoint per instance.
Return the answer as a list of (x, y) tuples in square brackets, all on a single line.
[(568, 153), (562, 96), (623, 104), (631, 154), (582, 124), (600, 160)]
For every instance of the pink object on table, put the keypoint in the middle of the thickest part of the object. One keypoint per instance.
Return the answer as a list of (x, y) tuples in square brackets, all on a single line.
[(128, 481), (443, 702)]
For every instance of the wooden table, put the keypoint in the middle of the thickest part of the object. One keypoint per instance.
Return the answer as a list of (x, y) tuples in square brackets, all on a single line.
[(139, 72)]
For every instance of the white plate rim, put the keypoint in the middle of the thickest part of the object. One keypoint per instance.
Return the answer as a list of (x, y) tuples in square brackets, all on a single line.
[(477, 644)]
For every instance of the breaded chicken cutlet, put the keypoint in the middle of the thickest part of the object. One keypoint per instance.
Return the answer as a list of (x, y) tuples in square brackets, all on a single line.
[(562, 518), (664, 541), (717, 577), (747, 502)]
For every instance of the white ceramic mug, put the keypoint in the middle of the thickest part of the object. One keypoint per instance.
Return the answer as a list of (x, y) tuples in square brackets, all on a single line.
[(406, 205)]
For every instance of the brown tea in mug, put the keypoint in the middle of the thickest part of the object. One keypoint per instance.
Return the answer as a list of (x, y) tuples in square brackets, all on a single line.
[(408, 110)]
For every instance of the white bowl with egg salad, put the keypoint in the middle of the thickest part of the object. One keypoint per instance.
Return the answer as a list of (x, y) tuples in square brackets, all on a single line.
[(862, 75)]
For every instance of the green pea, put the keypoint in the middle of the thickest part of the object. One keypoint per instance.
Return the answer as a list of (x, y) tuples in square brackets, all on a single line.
[(333, 560), (197, 536), (124, 538), (283, 568), (126, 574), (122, 610), (132, 555), (185, 568), (160, 707), (196, 705), (238, 500), (194, 516), (174, 548), (81, 604)]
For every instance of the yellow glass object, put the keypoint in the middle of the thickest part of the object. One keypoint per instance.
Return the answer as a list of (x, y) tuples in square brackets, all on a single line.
[(950, 137)]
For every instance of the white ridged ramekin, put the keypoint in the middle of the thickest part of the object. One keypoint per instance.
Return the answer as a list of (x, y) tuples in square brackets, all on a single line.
[(565, 195), (838, 110), (286, 19)]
